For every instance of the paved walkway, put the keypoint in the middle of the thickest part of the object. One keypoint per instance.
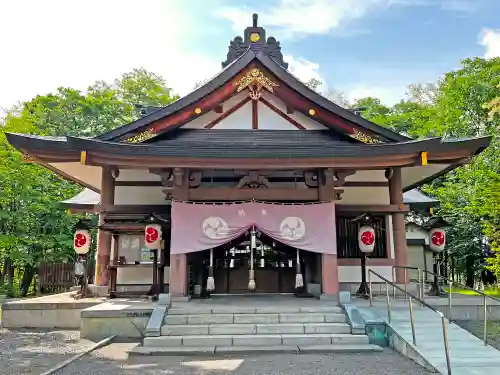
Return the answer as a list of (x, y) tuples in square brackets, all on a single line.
[(469, 355)]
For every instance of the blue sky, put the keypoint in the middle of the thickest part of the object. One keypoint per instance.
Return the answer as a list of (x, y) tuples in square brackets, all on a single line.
[(359, 47)]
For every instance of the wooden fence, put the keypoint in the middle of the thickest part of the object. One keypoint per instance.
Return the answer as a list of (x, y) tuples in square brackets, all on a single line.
[(56, 277)]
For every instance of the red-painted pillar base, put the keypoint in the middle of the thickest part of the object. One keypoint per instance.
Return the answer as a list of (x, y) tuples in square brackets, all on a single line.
[(178, 275), (329, 274)]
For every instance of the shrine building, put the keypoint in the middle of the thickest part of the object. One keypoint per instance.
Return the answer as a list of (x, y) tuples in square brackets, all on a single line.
[(251, 179)]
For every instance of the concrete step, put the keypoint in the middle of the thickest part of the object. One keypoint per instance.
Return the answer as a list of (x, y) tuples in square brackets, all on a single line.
[(253, 329), (204, 350), (259, 318), (255, 340), (255, 310)]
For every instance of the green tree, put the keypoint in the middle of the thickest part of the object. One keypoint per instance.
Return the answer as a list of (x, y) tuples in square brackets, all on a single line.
[(494, 107), (33, 226)]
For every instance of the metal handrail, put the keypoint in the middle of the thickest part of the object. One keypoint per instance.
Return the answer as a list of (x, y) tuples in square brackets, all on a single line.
[(412, 321), (420, 280), (485, 307)]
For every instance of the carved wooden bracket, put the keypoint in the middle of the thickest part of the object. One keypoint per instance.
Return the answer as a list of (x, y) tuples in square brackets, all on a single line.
[(311, 178), (165, 174), (340, 177), (338, 194), (178, 176), (253, 181), (195, 178)]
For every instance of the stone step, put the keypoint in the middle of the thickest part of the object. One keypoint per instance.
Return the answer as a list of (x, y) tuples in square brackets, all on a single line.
[(255, 340), (257, 310), (204, 350), (253, 329), (261, 318)]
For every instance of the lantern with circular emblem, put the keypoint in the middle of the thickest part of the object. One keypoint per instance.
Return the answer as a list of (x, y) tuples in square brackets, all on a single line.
[(437, 239), (366, 239), (366, 243), (152, 236), (81, 241)]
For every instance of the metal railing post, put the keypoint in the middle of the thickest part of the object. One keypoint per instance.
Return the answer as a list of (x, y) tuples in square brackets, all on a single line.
[(370, 288), (388, 303), (446, 347), (412, 321), (424, 277), (393, 282), (450, 285), (485, 321), (406, 281), (419, 278)]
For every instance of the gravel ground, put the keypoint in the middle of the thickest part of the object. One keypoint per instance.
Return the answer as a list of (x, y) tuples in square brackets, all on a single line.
[(111, 360), (35, 351), (476, 327)]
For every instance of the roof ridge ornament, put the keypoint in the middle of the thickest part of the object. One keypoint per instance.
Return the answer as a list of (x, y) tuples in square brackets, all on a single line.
[(255, 39)]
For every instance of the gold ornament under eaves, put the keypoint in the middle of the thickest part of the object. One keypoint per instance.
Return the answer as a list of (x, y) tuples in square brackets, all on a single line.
[(141, 137), (363, 137), (255, 76)]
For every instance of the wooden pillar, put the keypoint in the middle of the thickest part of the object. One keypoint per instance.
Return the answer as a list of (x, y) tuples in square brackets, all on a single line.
[(104, 238), (329, 264), (398, 225), (178, 262), (113, 272)]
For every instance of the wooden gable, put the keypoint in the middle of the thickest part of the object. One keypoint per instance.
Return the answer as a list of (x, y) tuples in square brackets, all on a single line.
[(253, 91)]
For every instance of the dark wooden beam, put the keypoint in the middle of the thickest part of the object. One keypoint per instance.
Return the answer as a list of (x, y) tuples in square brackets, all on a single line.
[(366, 183), (281, 114), (138, 183), (122, 161), (235, 179), (372, 208), (133, 209), (255, 114), (227, 113), (270, 194), (219, 108)]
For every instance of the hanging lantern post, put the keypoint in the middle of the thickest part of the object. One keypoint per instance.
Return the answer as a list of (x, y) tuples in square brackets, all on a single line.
[(366, 242), (153, 241), (82, 240), (437, 243), (253, 245)]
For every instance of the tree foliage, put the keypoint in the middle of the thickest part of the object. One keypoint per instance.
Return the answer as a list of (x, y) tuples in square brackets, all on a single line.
[(464, 103), (33, 226)]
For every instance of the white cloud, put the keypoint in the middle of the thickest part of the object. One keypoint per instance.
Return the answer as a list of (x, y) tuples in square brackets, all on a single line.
[(304, 69), (490, 39), (303, 16), (389, 94), (74, 43)]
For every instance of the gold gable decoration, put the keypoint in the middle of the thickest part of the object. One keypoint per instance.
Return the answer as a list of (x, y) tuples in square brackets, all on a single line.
[(27, 158), (255, 75), (141, 137), (363, 137)]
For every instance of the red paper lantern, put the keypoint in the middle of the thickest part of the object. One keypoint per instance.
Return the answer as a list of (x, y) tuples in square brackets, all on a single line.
[(152, 236), (366, 239), (81, 241), (437, 238)]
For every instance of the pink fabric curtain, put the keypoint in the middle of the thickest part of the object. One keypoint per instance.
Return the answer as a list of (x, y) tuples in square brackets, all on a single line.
[(197, 227)]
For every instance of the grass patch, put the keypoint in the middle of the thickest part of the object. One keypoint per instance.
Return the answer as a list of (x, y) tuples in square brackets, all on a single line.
[(492, 291)]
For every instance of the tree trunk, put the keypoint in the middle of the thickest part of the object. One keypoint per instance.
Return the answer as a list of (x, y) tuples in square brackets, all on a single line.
[(28, 274), (9, 272), (469, 274)]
